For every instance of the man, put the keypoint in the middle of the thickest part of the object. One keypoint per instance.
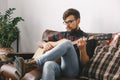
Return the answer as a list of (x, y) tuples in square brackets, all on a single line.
[(61, 46)]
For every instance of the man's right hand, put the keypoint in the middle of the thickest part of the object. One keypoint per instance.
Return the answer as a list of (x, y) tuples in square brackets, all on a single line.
[(47, 46)]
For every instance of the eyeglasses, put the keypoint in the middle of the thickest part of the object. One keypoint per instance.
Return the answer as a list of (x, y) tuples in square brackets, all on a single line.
[(68, 22)]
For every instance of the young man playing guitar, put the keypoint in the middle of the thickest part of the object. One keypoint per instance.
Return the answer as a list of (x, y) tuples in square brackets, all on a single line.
[(60, 46)]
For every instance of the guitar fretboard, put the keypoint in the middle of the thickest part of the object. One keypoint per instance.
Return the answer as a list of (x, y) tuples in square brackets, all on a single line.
[(97, 37), (103, 37)]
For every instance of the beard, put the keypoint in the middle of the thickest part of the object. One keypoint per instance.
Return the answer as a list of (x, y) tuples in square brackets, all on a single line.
[(74, 31)]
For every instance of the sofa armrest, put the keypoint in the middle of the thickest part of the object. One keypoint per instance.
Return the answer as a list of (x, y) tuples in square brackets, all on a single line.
[(24, 55)]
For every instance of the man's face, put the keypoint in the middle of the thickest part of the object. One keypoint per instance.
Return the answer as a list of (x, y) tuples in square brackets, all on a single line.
[(71, 23)]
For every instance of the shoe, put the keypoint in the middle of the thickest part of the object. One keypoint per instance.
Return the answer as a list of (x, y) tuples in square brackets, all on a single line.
[(20, 66), (23, 67)]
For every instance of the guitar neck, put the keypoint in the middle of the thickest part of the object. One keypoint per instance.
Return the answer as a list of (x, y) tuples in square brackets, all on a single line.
[(103, 36), (97, 37)]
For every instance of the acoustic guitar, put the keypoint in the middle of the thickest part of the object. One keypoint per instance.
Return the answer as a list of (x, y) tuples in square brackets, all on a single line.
[(40, 51)]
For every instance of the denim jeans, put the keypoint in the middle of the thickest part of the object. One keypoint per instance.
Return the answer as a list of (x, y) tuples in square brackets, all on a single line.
[(69, 62)]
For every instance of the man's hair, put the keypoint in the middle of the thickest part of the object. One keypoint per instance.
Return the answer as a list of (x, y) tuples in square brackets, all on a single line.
[(71, 11)]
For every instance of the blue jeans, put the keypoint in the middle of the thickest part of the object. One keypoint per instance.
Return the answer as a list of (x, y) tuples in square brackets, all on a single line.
[(69, 62)]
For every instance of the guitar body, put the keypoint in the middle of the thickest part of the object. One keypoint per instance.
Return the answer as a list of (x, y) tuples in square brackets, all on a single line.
[(38, 53)]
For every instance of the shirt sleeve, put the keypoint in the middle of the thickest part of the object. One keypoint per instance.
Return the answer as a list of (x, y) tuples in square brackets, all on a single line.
[(53, 38)]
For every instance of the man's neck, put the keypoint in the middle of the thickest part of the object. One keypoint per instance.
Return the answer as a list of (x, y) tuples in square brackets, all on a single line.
[(77, 28), (74, 31)]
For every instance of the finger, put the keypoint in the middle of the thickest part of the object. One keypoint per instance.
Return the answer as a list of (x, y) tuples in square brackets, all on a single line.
[(50, 46), (82, 42), (84, 39)]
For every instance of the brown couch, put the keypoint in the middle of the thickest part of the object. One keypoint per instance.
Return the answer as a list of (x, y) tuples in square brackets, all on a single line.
[(8, 70)]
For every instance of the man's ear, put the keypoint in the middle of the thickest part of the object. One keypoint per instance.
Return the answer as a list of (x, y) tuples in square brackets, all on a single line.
[(78, 20)]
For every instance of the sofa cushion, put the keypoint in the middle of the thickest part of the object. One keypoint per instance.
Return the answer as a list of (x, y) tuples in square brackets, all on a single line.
[(105, 64)]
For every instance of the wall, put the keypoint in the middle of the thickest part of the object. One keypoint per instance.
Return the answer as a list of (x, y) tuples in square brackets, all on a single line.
[(3, 5), (96, 16)]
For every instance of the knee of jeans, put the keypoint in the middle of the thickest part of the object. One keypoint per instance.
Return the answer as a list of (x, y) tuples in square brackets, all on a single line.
[(49, 65), (68, 43)]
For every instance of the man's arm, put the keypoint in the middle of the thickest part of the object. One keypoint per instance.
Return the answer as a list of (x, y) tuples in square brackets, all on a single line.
[(84, 58), (49, 45)]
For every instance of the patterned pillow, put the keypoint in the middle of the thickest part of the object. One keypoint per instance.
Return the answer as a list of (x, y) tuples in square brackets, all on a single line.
[(105, 63)]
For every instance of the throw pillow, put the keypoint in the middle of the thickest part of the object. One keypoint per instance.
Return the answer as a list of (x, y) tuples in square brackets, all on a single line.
[(105, 63)]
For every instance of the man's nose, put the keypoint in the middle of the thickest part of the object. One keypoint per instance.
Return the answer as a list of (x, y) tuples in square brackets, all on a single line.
[(67, 27)]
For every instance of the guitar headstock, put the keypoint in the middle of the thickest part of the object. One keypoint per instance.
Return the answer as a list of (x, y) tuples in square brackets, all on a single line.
[(103, 36)]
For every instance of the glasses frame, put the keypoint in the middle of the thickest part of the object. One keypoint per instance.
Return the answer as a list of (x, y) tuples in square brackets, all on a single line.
[(69, 21)]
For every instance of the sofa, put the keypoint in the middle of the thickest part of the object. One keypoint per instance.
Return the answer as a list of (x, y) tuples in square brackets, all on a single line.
[(105, 64)]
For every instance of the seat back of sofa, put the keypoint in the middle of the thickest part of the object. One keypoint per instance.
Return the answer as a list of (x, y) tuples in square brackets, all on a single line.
[(48, 33)]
